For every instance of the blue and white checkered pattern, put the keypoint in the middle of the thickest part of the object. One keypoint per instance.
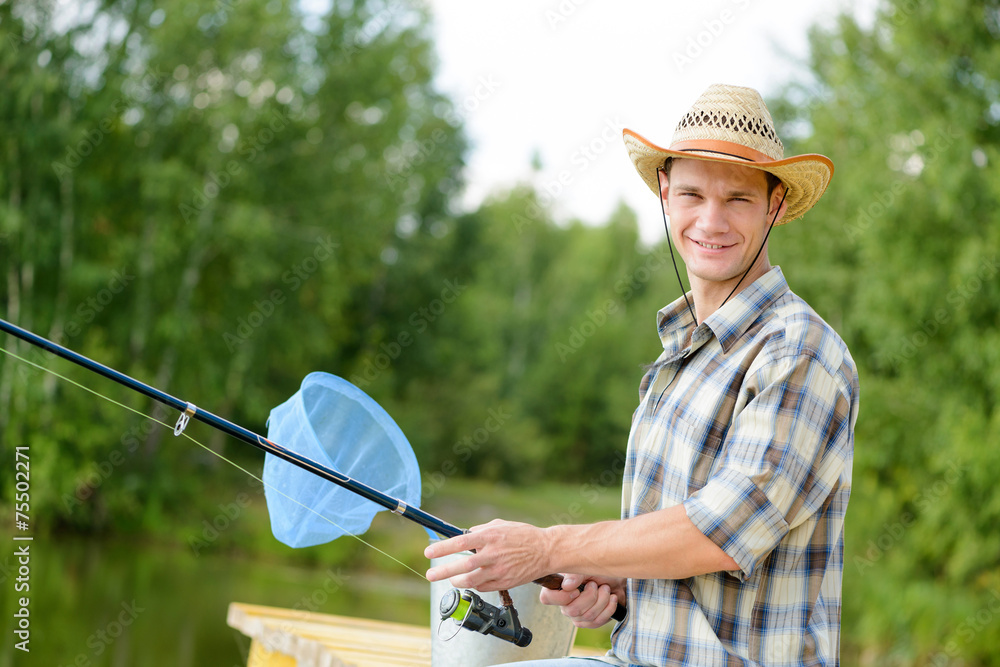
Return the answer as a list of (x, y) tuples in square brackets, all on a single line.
[(748, 420)]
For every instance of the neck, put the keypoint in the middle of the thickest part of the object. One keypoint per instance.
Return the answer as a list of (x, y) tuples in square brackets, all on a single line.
[(710, 295)]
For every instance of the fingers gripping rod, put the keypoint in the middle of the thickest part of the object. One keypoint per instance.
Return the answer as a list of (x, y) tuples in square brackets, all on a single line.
[(190, 411)]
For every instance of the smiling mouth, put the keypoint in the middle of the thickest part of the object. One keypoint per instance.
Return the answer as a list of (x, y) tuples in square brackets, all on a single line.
[(710, 246)]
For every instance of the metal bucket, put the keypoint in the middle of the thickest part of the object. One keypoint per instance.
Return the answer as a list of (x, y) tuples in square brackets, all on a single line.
[(552, 633)]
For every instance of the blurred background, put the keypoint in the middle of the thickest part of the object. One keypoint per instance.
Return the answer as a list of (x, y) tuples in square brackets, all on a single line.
[(432, 201)]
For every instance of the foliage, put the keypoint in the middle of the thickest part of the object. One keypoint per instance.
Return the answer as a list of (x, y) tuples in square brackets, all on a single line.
[(219, 202), (902, 257), (220, 215), (201, 197), (531, 369)]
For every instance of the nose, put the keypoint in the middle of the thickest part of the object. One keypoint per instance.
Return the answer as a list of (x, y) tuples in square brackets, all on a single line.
[(712, 218)]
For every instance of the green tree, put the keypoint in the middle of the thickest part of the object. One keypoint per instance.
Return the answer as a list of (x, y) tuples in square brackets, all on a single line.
[(201, 194), (525, 361), (902, 257)]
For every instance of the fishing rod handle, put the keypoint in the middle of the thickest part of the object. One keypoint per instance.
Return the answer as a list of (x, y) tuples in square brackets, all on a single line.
[(554, 582), (396, 506)]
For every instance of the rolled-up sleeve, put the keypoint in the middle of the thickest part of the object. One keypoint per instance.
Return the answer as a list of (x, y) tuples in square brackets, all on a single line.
[(781, 459)]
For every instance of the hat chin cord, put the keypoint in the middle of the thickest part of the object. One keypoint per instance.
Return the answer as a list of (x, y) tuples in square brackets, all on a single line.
[(670, 245)]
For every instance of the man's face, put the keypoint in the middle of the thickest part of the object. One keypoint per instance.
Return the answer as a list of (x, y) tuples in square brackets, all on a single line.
[(718, 220)]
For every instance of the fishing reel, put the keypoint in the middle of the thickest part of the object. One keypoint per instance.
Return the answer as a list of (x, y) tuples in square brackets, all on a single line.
[(465, 609)]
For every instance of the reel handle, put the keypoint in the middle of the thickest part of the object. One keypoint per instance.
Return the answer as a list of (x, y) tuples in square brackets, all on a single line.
[(554, 583)]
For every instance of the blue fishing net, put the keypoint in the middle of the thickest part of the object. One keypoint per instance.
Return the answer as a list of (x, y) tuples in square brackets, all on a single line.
[(334, 423)]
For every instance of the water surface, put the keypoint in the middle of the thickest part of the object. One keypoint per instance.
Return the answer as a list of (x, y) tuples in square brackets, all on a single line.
[(113, 603)]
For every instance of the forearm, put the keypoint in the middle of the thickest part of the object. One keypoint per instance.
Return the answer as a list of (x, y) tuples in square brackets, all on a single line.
[(659, 545)]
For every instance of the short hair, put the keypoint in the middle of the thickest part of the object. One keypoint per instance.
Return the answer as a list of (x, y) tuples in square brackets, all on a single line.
[(772, 180)]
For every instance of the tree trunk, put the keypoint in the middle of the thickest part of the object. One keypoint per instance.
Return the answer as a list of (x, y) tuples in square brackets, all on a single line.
[(181, 311), (234, 381), (63, 282), (13, 311)]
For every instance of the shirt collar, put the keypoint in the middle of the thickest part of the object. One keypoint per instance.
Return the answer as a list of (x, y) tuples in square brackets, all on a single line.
[(728, 324)]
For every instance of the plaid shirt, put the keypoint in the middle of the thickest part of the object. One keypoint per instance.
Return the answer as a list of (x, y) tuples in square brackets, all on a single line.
[(748, 420)]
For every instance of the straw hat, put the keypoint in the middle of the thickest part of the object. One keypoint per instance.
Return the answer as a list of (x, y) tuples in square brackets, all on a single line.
[(732, 124)]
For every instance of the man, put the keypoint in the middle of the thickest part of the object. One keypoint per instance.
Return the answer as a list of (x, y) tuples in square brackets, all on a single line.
[(730, 546)]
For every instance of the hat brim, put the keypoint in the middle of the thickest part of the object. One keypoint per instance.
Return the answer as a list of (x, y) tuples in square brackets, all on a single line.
[(806, 177)]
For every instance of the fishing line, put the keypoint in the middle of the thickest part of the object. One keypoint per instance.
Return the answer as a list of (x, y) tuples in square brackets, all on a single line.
[(407, 510), (213, 452), (666, 227), (764, 243), (670, 244)]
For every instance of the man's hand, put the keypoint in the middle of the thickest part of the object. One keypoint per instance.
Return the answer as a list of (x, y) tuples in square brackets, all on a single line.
[(592, 607), (508, 554), (663, 544)]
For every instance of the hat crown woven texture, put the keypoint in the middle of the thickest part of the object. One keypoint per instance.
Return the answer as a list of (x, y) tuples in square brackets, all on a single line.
[(731, 124), (734, 114)]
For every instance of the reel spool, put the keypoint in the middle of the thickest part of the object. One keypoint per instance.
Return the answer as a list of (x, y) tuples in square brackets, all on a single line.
[(465, 609)]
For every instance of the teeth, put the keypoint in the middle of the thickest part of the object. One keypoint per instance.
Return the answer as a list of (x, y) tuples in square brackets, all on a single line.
[(708, 245)]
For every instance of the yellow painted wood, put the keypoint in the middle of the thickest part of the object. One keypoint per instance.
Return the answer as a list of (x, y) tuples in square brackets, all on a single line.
[(283, 637), (261, 657)]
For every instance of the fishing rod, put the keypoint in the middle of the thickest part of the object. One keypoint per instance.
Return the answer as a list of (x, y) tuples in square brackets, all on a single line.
[(189, 411)]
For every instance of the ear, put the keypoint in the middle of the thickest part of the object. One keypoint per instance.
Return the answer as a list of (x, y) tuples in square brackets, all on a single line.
[(778, 200), (664, 182)]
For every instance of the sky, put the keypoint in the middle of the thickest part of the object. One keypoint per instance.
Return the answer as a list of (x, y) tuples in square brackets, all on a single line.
[(560, 79)]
